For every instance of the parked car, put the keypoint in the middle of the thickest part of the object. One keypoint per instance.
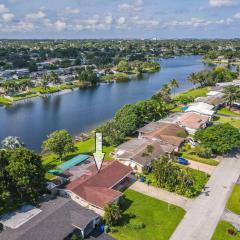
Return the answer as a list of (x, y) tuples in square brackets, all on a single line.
[(182, 161)]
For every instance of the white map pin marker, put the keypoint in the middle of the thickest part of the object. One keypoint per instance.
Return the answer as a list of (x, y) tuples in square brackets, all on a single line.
[(98, 155)]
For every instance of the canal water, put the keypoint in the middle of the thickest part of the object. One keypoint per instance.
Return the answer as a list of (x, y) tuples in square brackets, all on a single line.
[(81, 110)]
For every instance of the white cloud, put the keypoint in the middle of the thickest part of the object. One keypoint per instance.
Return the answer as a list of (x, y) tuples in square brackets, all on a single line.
[(109, 19), (136, 6), (70, 10), (7, 17), (221, 3), (121, 20), (36, 16), (60, 25), (237, 15), (3, 9)]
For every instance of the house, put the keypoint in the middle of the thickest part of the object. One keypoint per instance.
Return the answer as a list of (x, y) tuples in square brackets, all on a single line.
[(57, 219), (201, 108), (138, 153), (95, 190), (167, 133), (192, 121)]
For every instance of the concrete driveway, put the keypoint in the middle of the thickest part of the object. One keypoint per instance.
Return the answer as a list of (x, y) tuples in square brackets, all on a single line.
[(202, 167), (202, 218)]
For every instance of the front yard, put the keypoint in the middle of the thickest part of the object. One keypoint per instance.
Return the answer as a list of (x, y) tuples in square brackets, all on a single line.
[(225, 231), (200, 180), (146, 218), (233, 121), (50, 160), (233, 203)]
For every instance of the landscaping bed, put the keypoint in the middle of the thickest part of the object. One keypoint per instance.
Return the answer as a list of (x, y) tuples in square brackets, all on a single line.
[(146, 218)]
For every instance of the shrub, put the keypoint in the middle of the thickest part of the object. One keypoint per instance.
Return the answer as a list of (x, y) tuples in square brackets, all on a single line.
[(136, 224)]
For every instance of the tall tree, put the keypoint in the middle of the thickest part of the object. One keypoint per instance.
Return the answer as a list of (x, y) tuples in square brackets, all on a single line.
[(60, 142), (231, 94), (174, 84), (112, 214)]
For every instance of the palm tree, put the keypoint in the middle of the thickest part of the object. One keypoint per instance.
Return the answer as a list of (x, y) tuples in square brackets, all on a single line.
[(45, 81), (231, 94), (193, 78), (174, 84), (54, 78)]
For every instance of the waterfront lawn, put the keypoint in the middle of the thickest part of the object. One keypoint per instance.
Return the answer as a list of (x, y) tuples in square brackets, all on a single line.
[(233, 203), (50, 160), (222, 232), (226, 111), (159, 218), (200, 179), (233, 121), (194, 93), (190, 156), (5, 101)]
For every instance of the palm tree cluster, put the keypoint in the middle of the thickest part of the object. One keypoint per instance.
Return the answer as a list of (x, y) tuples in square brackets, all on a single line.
[(231, 94), (13, 86)]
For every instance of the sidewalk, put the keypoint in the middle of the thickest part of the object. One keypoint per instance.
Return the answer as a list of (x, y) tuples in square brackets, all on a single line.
[(162, 195)]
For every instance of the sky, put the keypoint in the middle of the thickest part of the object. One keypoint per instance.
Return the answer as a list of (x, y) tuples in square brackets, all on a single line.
[(79, 19)]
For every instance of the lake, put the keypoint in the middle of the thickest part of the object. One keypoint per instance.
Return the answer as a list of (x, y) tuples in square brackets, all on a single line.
[(82, 110)]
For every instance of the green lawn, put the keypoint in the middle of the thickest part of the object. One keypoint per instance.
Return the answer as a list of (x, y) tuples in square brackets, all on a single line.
[(50, 161), (221, 232), (4, 101), (234, 122), (233, 203), (190, 156), (227, 112), (195, 93), (160, 220)]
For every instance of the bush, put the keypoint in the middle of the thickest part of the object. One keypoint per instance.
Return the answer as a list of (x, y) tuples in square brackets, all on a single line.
[(136, 224)]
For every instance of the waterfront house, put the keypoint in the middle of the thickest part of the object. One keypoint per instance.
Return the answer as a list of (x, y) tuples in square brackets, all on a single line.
[(138, 153), (168, 133), (192, 121), (201, 108), (95, 190)]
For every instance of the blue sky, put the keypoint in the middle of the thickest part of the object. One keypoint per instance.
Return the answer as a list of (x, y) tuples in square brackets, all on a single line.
[(119, 18)]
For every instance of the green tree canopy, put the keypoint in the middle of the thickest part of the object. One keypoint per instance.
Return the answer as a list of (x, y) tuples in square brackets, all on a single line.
[(112, 214), (60, 142), (220, 138)]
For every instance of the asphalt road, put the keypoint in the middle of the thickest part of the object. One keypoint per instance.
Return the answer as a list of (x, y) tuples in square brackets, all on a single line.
[(202, 218)]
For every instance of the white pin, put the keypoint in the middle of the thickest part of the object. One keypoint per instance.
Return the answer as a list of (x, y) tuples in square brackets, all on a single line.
[(98, 155)]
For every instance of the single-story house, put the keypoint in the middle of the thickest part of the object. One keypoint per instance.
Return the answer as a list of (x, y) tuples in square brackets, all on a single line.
[(138, 153), (95, 190), (193, 121), (167, 133), (58, 219), (202, 108)]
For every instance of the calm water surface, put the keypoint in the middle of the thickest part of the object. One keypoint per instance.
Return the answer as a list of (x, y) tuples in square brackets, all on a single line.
[(82, 110)]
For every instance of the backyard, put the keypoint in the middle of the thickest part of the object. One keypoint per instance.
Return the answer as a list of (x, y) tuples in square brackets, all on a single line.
[(146, 218), (233, 203), (226, 111), (225, 231), (50, 160)]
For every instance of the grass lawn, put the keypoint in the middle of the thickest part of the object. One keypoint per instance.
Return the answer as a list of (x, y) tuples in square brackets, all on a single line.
[(200, 179), (50, 161), (233, 203), (188, 155), (4, 101), (221, 232), (227, 112), (160, 220), (234, 122), (195, 93)]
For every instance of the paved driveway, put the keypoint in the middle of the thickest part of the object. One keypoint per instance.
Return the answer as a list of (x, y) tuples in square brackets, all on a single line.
[(201, 167), (162, 195), (202, 218)]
